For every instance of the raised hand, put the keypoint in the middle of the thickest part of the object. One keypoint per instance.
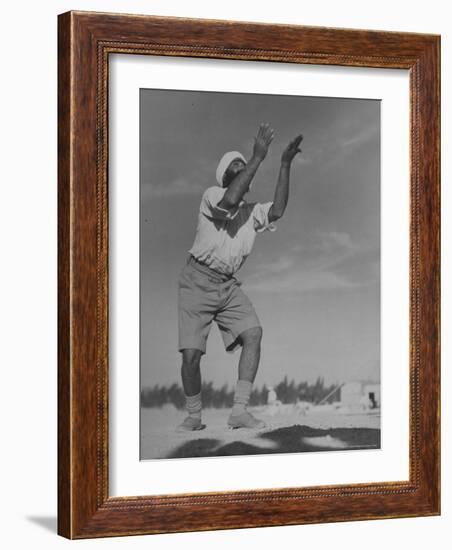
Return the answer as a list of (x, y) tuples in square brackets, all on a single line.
[(262, 141), (291, 150)]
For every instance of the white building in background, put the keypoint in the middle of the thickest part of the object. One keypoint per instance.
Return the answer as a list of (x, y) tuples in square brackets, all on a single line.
[(372, 390), (361, 394), (271, 396)]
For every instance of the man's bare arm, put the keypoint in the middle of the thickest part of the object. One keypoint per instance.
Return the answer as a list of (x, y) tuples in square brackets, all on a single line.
[(240, 184), (282, 187)]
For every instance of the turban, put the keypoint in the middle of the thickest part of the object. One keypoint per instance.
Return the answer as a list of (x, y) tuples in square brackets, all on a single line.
[(225, 161)]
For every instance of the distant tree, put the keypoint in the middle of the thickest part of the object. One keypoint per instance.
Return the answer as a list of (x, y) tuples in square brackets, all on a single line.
[(287, 392)]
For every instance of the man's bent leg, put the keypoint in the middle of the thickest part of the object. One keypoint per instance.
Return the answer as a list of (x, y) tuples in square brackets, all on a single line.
[(190, 371), (248, 365), (191, 381), (251, 353)]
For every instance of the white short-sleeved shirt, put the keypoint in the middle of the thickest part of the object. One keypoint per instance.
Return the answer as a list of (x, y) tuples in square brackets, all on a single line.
[(225, 238)]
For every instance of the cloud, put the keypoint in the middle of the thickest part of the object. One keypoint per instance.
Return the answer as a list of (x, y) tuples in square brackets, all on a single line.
[(361, 137), (303, 159), (175, 188), (319, 264), (299, 281), (324, 250), (194, 182), (330, 148)]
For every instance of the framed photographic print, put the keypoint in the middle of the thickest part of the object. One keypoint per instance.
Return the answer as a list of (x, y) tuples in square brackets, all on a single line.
[(248, 275)]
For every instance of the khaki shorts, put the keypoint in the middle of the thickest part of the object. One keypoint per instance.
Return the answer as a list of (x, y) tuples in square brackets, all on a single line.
[(206, 296)]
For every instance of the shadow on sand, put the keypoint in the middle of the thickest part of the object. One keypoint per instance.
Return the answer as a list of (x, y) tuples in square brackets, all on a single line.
[(293, 439)]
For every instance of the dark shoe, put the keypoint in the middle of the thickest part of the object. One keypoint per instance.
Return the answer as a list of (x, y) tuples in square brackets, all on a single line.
[(191, 424), (246, 420)]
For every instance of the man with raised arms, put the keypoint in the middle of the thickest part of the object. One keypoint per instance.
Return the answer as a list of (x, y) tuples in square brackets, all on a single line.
[(208, 288)]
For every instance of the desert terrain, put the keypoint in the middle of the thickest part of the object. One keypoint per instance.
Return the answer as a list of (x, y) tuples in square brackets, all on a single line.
[(289, 429)]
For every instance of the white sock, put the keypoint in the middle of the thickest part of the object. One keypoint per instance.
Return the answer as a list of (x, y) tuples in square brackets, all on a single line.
[(241, 396), (193, 405)]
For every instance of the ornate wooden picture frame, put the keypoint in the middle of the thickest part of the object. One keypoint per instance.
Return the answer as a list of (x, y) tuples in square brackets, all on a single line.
[(86, 40)]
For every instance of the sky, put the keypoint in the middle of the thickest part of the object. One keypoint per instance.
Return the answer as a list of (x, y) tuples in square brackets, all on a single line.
[(315, 281)]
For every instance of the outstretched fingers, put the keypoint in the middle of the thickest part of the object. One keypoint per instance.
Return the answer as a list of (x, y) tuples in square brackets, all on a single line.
[(265, 133), (296, 141), (269, 133), (259, 132)]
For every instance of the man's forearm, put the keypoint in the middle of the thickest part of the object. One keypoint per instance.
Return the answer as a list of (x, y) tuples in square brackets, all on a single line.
[(281, 193), (240, 185)]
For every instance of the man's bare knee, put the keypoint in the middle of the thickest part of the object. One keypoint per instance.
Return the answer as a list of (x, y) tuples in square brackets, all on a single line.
[(191, 359), (252, 336)]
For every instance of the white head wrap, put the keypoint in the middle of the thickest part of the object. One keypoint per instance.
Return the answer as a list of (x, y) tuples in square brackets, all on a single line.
[(225, 161)]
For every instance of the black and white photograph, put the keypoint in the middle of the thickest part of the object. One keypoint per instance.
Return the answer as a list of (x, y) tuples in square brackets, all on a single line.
[(225, 232), (259, 274)]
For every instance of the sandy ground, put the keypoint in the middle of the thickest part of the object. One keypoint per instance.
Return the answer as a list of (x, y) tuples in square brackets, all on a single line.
[(287, 431)]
